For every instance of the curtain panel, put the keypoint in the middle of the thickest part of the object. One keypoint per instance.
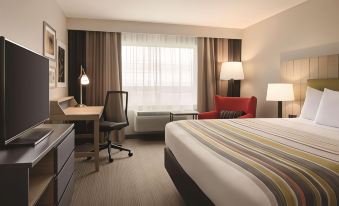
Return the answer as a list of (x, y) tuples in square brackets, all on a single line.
[(77, 57), (103, 65), (212, 52)]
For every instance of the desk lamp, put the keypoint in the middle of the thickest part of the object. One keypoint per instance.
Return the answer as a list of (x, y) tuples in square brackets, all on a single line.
[(83, 81)]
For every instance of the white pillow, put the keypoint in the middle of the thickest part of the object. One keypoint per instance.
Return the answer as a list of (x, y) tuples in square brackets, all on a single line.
[(328, 111), (311, 104)]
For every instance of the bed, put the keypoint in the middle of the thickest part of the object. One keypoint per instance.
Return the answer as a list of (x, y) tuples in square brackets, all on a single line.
[(254, 161)]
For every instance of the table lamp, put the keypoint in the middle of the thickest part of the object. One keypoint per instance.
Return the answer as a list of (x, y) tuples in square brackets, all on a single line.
[(231, 71), (83, 81), (280, 92)]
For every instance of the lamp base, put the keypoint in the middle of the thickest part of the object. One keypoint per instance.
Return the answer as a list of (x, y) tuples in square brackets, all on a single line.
[(279, 109), (233, 88), (80, 105)]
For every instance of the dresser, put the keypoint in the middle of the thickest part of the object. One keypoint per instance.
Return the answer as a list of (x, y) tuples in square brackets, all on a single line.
[(41, 174)]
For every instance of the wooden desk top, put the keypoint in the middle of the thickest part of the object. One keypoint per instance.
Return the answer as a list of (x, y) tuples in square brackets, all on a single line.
[(80, 113)]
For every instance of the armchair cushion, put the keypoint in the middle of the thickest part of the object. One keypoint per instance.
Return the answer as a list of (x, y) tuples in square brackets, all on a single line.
[(208, 115), (226, 114)]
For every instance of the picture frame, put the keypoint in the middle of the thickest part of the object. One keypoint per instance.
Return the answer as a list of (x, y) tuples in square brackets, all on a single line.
[(52, 74), (62, 65), (49, 41), (51, 78)]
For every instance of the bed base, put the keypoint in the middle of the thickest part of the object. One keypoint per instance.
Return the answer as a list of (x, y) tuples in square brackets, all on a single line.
[(189, 190)]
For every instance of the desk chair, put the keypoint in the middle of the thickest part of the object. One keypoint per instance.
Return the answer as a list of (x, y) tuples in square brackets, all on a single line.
[(113, 120)]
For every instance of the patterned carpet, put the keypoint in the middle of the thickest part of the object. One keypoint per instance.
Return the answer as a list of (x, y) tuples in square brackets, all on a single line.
[(137, 180)]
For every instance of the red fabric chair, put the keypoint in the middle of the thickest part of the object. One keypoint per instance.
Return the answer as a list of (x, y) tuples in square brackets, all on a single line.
[(247, 105)]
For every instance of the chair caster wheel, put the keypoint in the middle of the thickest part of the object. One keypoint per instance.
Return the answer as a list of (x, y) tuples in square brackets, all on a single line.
[(110, 160), (130, 154)]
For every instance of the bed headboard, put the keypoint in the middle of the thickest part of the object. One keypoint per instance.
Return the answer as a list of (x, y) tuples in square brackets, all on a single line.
[(318, 71), (321, 84)]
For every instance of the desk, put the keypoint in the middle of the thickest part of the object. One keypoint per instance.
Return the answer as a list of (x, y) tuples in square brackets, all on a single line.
[(65, 110)]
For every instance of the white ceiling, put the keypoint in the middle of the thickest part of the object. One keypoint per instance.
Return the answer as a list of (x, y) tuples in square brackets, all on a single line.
[(216, 13)]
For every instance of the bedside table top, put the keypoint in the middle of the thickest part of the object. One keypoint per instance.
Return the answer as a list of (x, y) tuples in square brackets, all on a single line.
[(188, 112)]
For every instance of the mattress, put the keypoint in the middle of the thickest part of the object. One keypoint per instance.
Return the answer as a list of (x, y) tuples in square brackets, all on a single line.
[(227, 183)]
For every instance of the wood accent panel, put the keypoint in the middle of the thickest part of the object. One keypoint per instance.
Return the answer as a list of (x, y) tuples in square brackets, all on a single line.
[(298, 71), (332, 66)]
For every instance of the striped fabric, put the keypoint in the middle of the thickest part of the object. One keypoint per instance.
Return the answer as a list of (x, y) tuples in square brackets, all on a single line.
[(225, 114), (296, 167)]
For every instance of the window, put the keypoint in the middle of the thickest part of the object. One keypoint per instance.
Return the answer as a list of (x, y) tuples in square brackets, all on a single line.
[(159, 71)]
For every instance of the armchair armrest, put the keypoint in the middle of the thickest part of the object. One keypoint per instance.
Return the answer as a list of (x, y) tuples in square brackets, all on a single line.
[(208, 115), (248, 115)]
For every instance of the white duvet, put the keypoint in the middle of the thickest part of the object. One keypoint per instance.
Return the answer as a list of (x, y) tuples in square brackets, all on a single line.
[(219, 178)]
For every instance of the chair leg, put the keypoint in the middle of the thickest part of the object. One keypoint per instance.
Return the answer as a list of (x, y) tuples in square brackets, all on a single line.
[(109, 151), (109, 146), (130, 153)]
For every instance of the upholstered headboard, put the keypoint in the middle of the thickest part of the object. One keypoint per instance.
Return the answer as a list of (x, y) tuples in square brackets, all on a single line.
[(321, 84), (313, 71)]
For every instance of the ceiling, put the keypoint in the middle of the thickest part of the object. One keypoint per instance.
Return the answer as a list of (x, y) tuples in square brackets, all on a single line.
[(216, 13)]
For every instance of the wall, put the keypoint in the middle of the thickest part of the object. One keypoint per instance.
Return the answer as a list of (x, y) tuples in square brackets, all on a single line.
[(155, 28), (22, 22), (308, 29)]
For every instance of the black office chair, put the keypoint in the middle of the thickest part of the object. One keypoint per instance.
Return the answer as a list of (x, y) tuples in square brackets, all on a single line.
[(114, 121)]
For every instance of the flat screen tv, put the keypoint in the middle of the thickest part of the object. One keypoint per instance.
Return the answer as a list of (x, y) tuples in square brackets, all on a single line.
[(24, 103)]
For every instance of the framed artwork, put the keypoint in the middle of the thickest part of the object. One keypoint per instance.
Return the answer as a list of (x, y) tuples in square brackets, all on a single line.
[(51, 78), (49, 41), (61, 73), (52, 74)]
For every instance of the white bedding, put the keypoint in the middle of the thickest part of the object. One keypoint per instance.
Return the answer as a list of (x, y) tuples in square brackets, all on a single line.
[(220, 179)]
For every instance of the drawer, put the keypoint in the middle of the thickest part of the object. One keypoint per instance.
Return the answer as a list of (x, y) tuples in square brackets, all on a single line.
[(63, 150), (67, 196), (64, 176)]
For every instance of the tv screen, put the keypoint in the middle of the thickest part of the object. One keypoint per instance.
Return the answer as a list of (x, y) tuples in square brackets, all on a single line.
[(25, 89)]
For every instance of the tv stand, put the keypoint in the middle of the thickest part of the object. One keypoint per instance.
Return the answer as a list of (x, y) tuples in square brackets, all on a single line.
[(40, 175), (32, 137)]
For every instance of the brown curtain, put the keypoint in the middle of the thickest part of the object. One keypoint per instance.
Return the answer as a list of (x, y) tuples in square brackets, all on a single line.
[(103, 67), (212, 52)]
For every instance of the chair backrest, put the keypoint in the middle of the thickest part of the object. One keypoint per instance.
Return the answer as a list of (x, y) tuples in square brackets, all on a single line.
[(115, 109), (247, 105)]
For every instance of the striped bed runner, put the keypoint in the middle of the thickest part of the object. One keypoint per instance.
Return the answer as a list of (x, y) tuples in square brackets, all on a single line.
[(298, 168)]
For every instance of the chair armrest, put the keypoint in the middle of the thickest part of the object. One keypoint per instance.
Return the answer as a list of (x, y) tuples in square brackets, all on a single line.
[(208, 115), (249, 115)]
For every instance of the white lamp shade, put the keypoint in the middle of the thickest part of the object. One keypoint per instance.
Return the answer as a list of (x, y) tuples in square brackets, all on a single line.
[(280, 92), (231, 70), (84, 79)]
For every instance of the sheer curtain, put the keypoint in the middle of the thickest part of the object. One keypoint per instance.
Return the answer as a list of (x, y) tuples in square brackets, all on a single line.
[(159, 71)]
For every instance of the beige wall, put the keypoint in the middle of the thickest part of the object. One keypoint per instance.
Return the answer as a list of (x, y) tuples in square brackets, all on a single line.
[(22, 22), (314, 25), (156, 28)]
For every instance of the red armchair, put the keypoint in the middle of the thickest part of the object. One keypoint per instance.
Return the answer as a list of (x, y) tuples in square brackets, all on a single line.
[(247, 105)]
